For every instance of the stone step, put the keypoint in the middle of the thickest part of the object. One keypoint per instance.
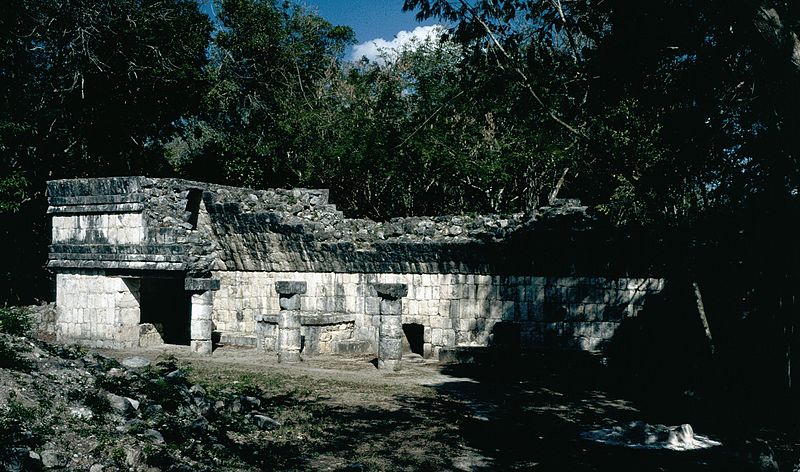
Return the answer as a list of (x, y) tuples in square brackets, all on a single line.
[(352, 347), (412, 358), (237, 340)]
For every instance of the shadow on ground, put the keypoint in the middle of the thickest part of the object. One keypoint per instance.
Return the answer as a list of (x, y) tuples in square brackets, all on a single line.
[(530, 416), (523, 415)]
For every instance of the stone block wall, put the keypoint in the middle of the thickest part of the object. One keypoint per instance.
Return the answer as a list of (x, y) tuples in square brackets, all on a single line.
[(322, 339), (242, 296), (97, 310), (318, 338), (454, 309), (102, 228), (44, 320), (558, 277)]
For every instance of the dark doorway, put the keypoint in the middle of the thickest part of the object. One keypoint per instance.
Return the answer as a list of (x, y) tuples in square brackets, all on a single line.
[(166, 305), (414, 333), (193, 205)]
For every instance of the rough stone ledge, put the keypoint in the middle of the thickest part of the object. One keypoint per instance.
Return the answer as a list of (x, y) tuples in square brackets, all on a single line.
[(155, 258), (312, 319), (95, 186), (103, 208), (94, 199), (126, 265), (200, 284)]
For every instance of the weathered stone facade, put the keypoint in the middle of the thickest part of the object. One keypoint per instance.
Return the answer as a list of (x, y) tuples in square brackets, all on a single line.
[(142, 260)]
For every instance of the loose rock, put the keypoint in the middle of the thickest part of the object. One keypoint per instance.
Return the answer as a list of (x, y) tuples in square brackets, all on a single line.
[(265, 422), (153, 435), (51, 459), (135, 362)]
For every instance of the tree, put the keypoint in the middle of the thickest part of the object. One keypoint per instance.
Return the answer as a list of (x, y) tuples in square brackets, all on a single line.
[(418, 133), (266, 59), (87, 88), (680, 106)]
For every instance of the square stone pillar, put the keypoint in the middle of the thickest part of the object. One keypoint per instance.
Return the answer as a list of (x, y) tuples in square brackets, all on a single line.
[(289, 338), (390, 331), (201, 324)]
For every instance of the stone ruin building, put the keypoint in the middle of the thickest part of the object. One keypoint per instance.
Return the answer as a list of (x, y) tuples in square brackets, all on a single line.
[(144, 261)]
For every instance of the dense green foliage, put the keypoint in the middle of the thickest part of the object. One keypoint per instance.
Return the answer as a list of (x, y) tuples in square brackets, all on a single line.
[(15, 321), (658, 114), (676, 108), (87, 88)]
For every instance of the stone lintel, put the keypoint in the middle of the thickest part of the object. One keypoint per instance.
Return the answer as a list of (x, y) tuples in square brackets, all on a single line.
[(200, 284), (392, 291), (289, 287)]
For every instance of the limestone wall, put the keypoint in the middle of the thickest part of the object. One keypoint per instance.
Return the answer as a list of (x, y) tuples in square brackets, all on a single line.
[(560, 275), (115, 228), (96, 309), (454, 309), (44, 318)]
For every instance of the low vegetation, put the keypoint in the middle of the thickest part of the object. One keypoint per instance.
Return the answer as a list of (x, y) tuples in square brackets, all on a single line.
[(15, 321)]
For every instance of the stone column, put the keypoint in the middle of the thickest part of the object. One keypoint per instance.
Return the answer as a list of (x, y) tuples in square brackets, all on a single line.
[(390, 331), (201, 325), (289, 339)]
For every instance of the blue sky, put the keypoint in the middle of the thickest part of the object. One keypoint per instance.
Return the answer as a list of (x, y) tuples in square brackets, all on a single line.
[(379, 25), (370, 19)]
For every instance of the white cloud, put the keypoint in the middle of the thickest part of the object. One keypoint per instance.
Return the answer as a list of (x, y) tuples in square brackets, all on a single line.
[(380, 50)]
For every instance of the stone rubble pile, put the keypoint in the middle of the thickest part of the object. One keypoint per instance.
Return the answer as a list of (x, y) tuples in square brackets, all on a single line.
[(65, 408)]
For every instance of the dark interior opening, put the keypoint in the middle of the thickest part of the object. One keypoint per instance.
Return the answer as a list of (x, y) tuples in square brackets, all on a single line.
[(193, 205), (506, 339), (415, 334), (165, 304)]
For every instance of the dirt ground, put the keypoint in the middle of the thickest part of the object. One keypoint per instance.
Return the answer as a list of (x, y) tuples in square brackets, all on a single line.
[(345, 414)]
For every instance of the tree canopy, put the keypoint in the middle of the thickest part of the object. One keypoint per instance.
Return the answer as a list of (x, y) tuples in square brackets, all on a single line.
[(675, 108), (658, 113)]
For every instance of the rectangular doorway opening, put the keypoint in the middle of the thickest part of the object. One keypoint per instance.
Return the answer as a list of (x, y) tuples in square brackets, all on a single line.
[(166, 305), (414, 338)]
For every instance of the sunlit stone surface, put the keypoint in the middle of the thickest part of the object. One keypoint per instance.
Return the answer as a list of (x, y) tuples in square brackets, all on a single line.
[(639, 435)]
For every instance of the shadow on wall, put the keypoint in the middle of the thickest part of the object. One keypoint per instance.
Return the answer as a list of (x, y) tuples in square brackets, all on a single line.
[(662, 356)]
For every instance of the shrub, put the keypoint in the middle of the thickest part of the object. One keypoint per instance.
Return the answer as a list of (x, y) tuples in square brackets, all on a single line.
[(66, 351), (11, 359), (20, 426), (15, 321)]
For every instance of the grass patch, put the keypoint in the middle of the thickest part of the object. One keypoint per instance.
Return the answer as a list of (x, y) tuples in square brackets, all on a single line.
[(344, 423)]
